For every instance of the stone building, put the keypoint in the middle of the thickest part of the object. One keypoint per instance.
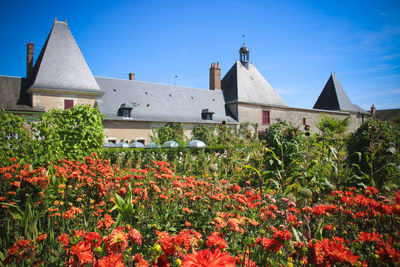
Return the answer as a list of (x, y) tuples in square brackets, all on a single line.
[(61, 78)]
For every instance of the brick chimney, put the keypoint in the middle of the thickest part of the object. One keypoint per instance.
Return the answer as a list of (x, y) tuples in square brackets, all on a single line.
[(215, 76), (29, 60), (373, 110), (131, 76)]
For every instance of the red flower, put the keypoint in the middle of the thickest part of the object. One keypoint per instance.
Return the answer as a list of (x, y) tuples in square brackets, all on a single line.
[(83, 252), (140, 261), (329, 252), (135, 236), (208, 258), (387, 253), (41, 238), (63, 239), (215, 240), (369, 237), (113, 260), (93, 239)]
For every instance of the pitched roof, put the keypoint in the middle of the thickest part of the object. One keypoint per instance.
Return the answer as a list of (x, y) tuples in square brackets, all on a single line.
[(333, 97), (160, 102), (61, 64), (386, 114), (247, 85), (13, 95)]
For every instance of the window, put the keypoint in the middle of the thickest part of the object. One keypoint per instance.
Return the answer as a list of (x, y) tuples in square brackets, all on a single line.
[(68, 103), (265, 117), (206, 115), (304, 121), (141, 141), (125, 110)]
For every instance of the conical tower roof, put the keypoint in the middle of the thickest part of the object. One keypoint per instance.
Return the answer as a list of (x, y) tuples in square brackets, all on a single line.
[(61, 65), (333, 97), (247, 85)]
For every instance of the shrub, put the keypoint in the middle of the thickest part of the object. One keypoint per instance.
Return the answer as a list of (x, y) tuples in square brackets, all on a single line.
[(205, 134), (374, 152), (72, 133), (284, 140), (169, 132), (15, 140)]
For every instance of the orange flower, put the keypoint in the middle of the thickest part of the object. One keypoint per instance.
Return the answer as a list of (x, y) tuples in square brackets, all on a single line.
[(215, 240), (113, 260), (187, 210), (135, 236), (63, 239), (83, 252), (93, 239), (208, 258), (41, 238), (116, 242), (16, 184)]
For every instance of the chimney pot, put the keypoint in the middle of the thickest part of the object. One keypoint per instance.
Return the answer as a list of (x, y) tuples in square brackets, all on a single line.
[(131, 76), (373, 110), (29, 59)]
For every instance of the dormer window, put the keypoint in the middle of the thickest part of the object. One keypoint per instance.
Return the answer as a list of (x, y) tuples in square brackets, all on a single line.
[(125, 110), (206, 115)]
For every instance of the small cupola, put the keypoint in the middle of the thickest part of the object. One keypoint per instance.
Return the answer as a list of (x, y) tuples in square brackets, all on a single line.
[(244, 53)]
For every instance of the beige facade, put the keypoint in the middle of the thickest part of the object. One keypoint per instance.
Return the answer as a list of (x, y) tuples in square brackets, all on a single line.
[(299, 117), (49, 101), (129, 130)]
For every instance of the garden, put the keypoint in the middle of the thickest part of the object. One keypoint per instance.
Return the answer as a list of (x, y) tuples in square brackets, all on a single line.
[(288, 198)]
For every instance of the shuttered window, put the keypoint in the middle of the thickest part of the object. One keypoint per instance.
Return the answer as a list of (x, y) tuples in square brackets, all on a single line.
[(68, 103), (265, 117)]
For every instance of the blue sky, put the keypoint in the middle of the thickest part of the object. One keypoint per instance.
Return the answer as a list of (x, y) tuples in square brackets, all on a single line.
[(294, 44)]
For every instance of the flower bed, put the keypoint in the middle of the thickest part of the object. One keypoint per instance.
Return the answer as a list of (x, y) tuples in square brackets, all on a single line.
[(79, 213)]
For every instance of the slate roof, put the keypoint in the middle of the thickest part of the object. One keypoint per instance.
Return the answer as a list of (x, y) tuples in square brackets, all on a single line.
[(61, 64), (247, 85), (386, 114), (333, 97), (13, 95), (160, 102)]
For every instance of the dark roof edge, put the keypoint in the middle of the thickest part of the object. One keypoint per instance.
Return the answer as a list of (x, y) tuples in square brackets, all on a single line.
[(233, 122)]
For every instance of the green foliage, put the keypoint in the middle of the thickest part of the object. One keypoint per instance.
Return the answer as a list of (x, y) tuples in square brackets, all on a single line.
[(205, 134), (169, 132), (330, 126), (283, 156), (284, 140), (374, 153), (72, 133), (15, 140), (396, 119), (324, 154)]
